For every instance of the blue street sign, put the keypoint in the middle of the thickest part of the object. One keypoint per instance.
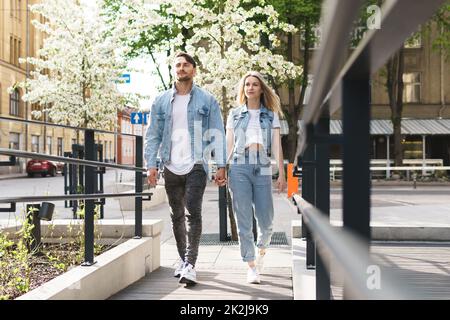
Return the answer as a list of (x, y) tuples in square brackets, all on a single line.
[(136, 118), (126, 78), (146, 118)]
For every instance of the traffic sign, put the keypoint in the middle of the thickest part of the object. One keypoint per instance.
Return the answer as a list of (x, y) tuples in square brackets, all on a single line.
[(140, 118), (126, 78), (136, 118), (146, 118)]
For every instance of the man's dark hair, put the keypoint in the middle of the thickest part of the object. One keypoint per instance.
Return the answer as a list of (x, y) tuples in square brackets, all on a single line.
[(187, 57)]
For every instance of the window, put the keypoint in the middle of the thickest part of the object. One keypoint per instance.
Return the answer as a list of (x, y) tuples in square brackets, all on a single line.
[(60, 147), (15, 62), (19, 9), (317, 38), (11, 49), (15, 48), (411, 91), (14, 141), (49, 145), (415, 41), (110, 152), (19, 51), (34, 143), (14, 103)]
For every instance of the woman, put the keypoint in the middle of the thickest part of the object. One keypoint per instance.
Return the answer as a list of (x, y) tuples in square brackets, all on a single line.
[(253, 136)]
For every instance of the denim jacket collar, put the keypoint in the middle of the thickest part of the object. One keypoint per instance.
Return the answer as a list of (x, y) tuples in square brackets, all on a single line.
[(262, 109), (174, 90)]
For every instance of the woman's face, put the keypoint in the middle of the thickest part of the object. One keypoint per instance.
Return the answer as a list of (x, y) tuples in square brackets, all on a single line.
[(252, 88)]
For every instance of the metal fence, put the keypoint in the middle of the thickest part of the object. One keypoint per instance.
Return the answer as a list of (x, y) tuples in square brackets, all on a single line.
[(90, 167), (344, 83)]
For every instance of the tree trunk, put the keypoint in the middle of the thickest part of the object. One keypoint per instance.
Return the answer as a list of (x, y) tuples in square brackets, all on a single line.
[(394, 85), (225, 108), (304, 85), (292, 112)]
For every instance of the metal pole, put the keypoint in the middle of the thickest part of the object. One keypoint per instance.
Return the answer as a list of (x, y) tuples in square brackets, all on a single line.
[(322, 193), (308, 191), (223, 214), (356, 181), (32, 216), (138, 188), (27, 54), (89, 206), (255, 227), (423, 154), (388, 158)]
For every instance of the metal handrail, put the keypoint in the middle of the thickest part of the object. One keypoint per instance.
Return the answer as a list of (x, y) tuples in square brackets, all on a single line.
[(90, 196), (67, 127), (346, 249), (75, 197), (91, 163), (345, 84)]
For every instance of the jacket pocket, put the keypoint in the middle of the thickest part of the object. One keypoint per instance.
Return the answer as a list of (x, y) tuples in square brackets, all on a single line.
[(203, 111)]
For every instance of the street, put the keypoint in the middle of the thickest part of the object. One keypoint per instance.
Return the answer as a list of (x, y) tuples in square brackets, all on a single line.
[(382, 196)]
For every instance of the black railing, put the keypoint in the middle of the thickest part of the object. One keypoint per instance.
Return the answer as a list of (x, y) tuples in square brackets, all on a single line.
[(90, 195), (339, 83)]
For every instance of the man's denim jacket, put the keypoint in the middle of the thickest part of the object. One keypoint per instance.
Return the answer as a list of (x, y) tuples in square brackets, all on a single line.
[(205, 128), (241, 117)]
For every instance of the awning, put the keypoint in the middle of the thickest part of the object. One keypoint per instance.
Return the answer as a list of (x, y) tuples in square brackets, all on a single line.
[(409, 127)]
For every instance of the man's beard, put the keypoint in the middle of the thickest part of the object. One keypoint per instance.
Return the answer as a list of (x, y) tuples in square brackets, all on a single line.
[(184, 79)]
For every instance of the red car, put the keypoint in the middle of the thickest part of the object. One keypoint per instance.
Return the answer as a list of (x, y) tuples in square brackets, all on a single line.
[(44, 167)]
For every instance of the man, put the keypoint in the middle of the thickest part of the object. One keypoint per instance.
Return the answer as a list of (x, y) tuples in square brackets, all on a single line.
[(184, 121)]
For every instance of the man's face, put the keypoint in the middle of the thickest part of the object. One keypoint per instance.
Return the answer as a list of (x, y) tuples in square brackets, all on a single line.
[(184, 71)]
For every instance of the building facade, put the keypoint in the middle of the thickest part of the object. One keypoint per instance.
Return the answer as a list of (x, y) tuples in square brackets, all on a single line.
[(20, 39)]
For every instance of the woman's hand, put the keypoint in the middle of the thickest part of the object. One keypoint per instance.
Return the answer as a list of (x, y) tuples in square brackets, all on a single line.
[(281, 184)]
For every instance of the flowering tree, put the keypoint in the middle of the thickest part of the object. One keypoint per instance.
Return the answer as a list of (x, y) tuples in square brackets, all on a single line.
[(224, 37), (74, 78), (227, 42)]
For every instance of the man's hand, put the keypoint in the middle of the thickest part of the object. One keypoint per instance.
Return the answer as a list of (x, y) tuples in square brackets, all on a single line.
[(152, 177), (219, 178)]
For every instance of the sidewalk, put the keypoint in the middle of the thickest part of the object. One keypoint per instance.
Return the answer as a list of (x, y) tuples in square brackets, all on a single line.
[(12, 176), (220, 270)]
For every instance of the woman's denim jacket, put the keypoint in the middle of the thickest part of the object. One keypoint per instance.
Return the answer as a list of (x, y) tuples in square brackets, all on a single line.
[(204, 123), (241, 119)]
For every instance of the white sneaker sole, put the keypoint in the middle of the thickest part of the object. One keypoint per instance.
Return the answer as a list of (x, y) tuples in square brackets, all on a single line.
[(187, 281), (254, 281)]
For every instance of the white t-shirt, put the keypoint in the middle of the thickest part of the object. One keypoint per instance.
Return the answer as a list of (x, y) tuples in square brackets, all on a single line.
[(253, 134), (181, 161)]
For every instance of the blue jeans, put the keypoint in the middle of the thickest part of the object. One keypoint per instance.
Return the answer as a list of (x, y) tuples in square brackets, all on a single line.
[(251, 187)]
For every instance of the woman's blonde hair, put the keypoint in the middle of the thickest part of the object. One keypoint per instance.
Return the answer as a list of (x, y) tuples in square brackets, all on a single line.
[(268, 97)]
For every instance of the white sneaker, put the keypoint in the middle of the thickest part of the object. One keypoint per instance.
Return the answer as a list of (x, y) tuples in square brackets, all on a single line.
[(188, 275), (179, 270), (253, 276), (260, 262)]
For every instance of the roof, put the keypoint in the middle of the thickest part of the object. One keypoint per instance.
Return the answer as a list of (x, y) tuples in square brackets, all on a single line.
[(409, 127)]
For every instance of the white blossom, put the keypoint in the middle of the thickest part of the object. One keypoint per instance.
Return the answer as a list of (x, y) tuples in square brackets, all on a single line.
[(78, 67)]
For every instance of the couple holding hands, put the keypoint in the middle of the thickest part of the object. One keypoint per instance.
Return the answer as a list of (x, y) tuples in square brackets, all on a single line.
[(185, 112)]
